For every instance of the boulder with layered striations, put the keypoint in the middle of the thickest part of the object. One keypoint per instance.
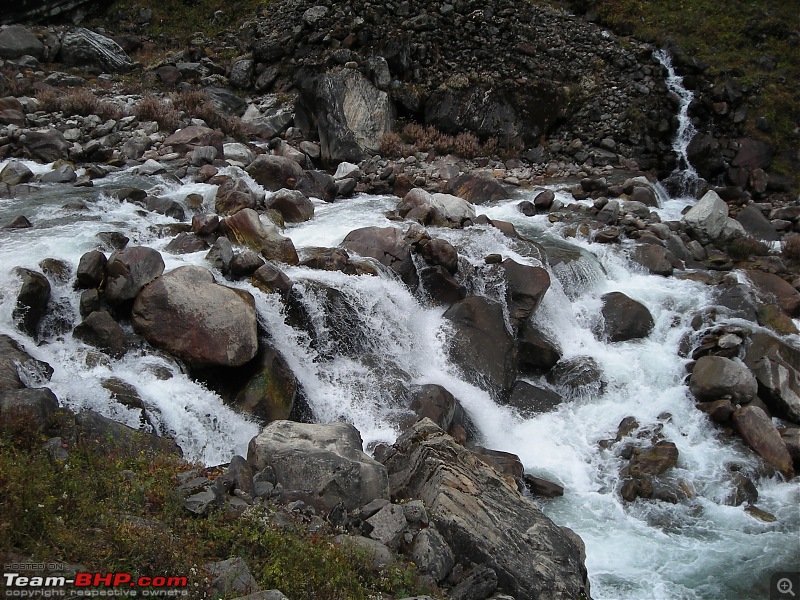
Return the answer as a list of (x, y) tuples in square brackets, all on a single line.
[(483, 517)]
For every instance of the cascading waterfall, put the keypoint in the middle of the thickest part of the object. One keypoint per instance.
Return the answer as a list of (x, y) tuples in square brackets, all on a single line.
[(372, 339), (684, 174)]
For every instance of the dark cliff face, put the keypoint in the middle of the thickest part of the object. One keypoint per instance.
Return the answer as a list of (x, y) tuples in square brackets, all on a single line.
[(518, 72), (35, 11)]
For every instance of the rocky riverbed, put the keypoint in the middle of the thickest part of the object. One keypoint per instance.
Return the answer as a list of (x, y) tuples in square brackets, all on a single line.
[(195, 276)]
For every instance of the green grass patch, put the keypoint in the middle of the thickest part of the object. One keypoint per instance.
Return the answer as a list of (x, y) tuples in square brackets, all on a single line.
[(119, 512)]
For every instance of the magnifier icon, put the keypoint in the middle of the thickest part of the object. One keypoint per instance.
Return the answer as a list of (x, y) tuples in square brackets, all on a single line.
[(785, 587)]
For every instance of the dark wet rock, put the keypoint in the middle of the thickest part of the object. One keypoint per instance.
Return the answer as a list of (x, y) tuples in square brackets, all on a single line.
[(479, 584), (20, 222), (624, 318), (756, 224), (220, 255), (434, 402), (772, 288), (186, 243), (656, 259), (537, 352), (531, 400), (720, 411), (525, 288), (248, 229), (480, 344), (544, 200), (579, 376), (440, 252), (482, 516), (270, 390), (233, 194), (322, 464), (100, 330), (388, 246), (269, 278), (245, 263), (542, 487), (441, 286), (32, 300), (16, 364), (776, 366), (190, 316), (294, 205), (129, 270), (759, 433)]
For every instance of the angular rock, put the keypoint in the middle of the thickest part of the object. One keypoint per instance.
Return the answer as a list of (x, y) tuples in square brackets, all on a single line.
[(656, 259), (247, 229), (233, 194), (759, 433), (707, 219), (100, 330), (624, 318), (323, 464), (294, 205), (756, 224), (84, 48), (275, 172), (15, 364), (441, 286), (476, 189), (129, 270), (32, 300), (17, 41), (194, 136), (434, 402), (714, 377), (537, 352), (431, 554), (525, 288), (231, 577), (379, 554), (483, 517), (480, 344), (772, 288), (347, 114), (388, 525), (46, 146), (776, 366), (190, 316), (532, 400), (186, 243), (388, 246)]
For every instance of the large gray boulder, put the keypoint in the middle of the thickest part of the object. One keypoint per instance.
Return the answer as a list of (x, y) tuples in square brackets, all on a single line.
[(348, 114), (16, 41), (190, 316), (46, 146), (451, 207), (477, 189), (324, 464), (776, 366), (275, 172), (481, 345), (715, 376), (388, 245), (83, 48), (483, 517), (707, 219)]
